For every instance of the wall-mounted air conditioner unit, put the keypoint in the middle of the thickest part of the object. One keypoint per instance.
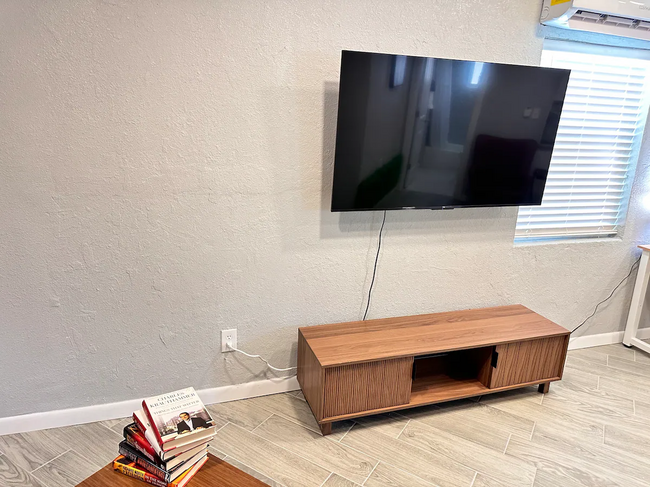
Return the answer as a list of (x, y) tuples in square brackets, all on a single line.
[(625, 18)]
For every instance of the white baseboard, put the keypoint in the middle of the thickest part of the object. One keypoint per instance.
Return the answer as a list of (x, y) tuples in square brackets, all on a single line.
[(603, 339), (115, 410), (103, 412)]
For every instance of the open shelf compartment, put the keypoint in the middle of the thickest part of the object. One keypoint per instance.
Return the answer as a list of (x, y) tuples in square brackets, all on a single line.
[(452, 375)]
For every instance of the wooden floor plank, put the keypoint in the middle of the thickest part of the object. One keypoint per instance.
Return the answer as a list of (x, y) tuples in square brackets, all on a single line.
[(629, 439), (391, 424), (13, 475), (431, 466), (590, 430), (66, 470), (596, 406), (642, 410), (556, 479), (31, 450), (546, 418), (267, 458), (627, 388), (295, 409), (252, 472), (482, 480), (558, 464), (635, 368), (388, 476), (93, 441), (601, 353), (338, 481), (242, 413), (511, 471), (488, 426), (117, 425), (323, 451)]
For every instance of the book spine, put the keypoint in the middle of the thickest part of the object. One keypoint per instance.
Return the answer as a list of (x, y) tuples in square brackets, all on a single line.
[(148, 466), (148, 434), (153, 424), (140, 444), (139, 474), (191, 472)]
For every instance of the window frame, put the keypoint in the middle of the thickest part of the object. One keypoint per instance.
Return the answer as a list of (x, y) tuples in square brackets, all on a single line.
[(633, 159)]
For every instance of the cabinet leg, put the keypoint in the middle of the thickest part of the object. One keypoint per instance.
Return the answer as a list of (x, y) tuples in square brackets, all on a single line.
[(544, 388), (325, 428)]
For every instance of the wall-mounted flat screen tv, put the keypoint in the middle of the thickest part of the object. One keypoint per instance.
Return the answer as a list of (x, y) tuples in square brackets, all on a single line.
[(419, 132)]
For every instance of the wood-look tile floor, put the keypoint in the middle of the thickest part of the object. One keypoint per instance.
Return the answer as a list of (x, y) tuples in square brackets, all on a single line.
[(591, 429)]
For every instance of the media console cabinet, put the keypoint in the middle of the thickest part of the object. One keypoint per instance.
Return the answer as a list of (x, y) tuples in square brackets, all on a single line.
[(347, 370)]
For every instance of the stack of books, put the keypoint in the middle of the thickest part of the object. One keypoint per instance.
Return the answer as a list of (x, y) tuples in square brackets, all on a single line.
[(167, 443)]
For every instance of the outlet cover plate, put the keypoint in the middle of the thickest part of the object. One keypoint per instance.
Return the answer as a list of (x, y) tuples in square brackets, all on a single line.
[(225, 336)]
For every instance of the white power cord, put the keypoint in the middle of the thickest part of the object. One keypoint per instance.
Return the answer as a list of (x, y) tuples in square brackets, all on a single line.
[(259, 357)]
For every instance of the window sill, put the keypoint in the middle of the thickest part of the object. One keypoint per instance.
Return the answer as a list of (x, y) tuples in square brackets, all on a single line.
[(565, 240)]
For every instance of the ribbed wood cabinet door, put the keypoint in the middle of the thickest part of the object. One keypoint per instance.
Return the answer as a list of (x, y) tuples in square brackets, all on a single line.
[(362, 387), (529, 361)]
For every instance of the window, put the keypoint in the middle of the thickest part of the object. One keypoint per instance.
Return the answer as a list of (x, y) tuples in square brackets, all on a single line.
[(597, 143)]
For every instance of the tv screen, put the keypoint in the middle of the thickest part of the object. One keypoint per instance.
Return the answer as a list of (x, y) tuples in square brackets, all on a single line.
[(418, 132)]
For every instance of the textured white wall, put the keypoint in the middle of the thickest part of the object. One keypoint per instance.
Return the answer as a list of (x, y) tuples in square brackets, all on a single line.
[(165, 172)]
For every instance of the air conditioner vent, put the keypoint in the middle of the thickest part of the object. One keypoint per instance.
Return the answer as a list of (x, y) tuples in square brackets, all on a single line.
[(625, 18), (613, 20), (643, 25), (587, 16)]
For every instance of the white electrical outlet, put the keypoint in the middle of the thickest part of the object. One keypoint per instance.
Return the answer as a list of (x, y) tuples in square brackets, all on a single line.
[(228, 337)]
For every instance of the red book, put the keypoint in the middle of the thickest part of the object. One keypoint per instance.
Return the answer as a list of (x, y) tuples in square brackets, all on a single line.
[(136, 439), (178, 418), (127, 467)]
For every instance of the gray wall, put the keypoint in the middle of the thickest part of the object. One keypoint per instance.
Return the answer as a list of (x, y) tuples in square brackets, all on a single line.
[(165, 172)]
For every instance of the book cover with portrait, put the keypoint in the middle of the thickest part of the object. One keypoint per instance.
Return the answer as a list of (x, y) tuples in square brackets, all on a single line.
[(178, 417)]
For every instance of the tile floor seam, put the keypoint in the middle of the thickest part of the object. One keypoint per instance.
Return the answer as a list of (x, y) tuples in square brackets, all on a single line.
[(532, 433), (449, 457), (85, 458), (328, 477), (217, 431), (474, 479), (102, 423), (346, 433), (273, 414), (366, 479), (402, 431), (288, 418), (393, 464), (327, 469), (51, 460), (508, 442)]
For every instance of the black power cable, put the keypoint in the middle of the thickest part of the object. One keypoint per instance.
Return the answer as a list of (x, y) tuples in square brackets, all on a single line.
[(374, 270), (610, 294)]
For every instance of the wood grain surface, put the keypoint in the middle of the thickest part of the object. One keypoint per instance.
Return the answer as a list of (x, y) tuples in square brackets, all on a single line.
[(529, 361), (311, 377), (372, 385), (215, 473), (364, 341)]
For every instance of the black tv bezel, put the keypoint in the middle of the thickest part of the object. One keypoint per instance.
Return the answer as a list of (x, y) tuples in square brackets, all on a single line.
[(444, 207)]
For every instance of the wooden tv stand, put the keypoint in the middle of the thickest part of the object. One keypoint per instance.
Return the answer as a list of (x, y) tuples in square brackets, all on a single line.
[(347, 370)]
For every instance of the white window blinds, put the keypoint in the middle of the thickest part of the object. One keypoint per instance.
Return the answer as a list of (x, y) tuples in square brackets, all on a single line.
[(597, 145)]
